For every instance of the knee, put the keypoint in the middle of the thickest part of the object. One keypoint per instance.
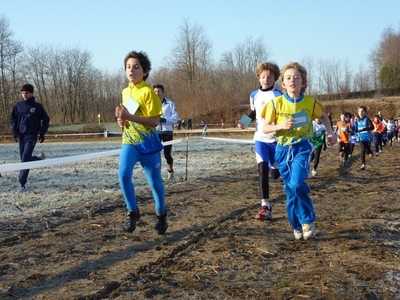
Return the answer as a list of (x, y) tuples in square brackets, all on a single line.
[(124, 174), (298, 187), (170, 160)]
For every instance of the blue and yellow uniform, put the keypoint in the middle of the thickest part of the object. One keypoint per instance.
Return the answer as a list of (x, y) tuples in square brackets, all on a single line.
[(141, 143), (144, 138), (293, 152)]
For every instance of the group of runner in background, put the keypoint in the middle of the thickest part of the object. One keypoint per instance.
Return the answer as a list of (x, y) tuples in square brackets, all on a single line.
[(372, 135), (291, 130)]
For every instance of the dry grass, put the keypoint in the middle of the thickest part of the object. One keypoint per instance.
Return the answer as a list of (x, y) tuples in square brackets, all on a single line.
[(389, 106)]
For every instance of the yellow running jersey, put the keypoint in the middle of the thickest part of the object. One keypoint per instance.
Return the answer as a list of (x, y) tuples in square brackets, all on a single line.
[(302, 111)]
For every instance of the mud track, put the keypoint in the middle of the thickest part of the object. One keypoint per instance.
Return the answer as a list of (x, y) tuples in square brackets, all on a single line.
[(214, 248)]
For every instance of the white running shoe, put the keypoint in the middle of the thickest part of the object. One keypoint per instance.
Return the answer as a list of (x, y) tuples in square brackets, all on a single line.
[(314, 172), (308, 230), (298, 234), (170, 175)]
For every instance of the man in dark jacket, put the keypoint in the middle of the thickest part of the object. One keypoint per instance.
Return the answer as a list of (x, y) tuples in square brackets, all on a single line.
[(28, 120)]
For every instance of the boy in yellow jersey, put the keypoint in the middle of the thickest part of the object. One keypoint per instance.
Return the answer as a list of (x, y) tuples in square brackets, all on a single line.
[(139, 115), (290, 116)]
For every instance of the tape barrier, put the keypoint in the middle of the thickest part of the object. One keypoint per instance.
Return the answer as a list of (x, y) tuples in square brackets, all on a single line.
[(76, 158), (56, 161), (229, 140)]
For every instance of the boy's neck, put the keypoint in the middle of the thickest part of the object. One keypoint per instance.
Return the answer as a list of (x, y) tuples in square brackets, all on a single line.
[(131, 83), (267, 88), (294, 95)]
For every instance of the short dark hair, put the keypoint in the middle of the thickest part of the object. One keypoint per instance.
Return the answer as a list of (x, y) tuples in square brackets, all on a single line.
[(27, 88), (143, 59), (158, 86), (363, 107)]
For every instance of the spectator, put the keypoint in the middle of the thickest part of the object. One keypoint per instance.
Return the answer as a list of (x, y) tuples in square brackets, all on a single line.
[(189, 124), (166, 127), (28, 120)]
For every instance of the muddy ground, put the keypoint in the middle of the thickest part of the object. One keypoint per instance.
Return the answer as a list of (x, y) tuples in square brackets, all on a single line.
[(214, 248)]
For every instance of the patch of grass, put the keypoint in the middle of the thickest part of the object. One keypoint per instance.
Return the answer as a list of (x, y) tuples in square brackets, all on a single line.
[(84, 128)]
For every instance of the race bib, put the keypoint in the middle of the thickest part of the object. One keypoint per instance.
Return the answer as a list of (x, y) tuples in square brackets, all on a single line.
[(300, 119)]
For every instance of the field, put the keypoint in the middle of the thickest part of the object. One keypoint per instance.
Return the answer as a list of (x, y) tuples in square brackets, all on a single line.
[(62, 239)]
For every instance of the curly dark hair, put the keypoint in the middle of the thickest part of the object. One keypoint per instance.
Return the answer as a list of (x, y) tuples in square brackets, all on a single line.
[(143, 59)]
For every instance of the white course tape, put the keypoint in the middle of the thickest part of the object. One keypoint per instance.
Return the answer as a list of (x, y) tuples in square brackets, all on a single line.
[(72, 159), (229, 140), (56, 161)]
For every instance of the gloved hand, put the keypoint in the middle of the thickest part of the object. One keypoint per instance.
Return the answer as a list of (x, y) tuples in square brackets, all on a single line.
[(15, 135), (41, 138), (163, 120)]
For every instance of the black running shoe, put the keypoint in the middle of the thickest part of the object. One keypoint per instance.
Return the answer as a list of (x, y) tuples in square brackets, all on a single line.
[(131, 219), (162, 225)]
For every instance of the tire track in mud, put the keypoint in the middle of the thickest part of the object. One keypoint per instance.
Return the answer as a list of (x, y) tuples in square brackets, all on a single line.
[(150, 271), (49, 225), (213, 240)]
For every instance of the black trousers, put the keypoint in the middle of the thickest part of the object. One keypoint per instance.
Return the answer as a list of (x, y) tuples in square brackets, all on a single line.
[(166, 137)]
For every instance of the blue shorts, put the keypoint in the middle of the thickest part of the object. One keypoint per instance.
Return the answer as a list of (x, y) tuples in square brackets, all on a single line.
[(265, 152)]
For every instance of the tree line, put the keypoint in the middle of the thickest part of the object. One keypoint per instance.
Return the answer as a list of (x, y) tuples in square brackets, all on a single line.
[(202, 88)]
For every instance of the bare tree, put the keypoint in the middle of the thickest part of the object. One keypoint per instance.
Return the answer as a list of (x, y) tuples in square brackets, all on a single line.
[(76, 67), (189, 65), (386, 58), (236, 71), (10, 50), (36, 66), (309, 64), (191, 54), (244, 58), (363, 79)]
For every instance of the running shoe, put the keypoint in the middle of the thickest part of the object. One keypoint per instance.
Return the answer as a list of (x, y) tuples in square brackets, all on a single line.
[(264, 214), (298, 234), (162, 225), (170, 175), (131, 219), (308, 230)]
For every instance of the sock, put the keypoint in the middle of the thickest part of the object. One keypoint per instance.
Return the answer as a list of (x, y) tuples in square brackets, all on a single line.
[(266, 203)]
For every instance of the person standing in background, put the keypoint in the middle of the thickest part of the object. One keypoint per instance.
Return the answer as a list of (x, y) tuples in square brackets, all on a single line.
[(189, 124), (28, 120), (166, 127)]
